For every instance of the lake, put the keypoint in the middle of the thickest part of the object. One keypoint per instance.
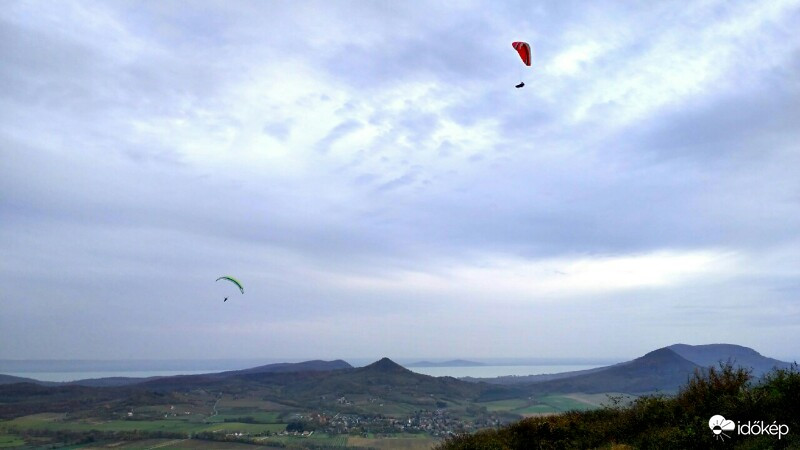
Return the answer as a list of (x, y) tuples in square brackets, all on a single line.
[(476, 371), (73, 376), (71, 370), (499, 371)]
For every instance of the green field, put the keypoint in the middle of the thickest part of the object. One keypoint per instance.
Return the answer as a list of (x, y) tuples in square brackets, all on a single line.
[(604, 399), (316, 439), (548, 404), (192, 444), (56, 422), (10, 440), (537, 409), (505, 405), (401, 441), (566, 403), (259, 416)]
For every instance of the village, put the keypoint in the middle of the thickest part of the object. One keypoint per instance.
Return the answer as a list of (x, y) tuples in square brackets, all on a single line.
[(437, 423)]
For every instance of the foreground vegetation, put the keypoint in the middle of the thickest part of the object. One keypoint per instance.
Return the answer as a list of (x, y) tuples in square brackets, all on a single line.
[(660, 422), (230, 420)]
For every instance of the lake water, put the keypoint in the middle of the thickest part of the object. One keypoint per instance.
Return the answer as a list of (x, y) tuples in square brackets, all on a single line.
[(73, 376), (499, 371), (476, 371)]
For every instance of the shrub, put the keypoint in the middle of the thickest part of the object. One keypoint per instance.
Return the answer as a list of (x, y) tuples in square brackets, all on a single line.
[(662, 422)]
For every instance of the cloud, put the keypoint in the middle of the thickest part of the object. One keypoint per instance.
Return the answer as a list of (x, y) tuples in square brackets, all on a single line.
[(502, 280), (357, 164), (338, 132)]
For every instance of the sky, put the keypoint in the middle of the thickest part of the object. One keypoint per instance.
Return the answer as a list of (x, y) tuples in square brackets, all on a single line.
[(371, 175)]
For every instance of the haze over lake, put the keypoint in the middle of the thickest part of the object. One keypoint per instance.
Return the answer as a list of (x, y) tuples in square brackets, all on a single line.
[(499, 371), (71, 370)]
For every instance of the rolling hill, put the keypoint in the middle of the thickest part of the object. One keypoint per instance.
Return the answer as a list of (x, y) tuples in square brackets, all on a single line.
[(10, 379), (306, 366), (713, 354), (659, 370)]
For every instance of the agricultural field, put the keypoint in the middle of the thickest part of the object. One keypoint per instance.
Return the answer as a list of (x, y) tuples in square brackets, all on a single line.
[(168, 444), (391, 409), (315, 440), (604, 399), (246, 416), (548, 404), (400, 441), (253, 400), (505, 405), (57, 422), (10, 440)]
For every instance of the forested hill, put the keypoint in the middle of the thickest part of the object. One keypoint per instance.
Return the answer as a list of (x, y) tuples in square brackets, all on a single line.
[(712, 354), (659, 370)]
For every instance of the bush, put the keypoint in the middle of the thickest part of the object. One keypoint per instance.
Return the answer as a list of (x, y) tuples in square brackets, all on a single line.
[(662, 422)]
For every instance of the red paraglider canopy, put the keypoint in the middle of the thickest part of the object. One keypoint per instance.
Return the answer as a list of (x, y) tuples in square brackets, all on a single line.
[(524, 51)]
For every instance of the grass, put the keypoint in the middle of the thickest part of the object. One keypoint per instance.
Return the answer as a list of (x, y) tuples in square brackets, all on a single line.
[(48, 422), (401, 441), (10, 440), (317, 439), (565, 403), (659, 421), (184, 444), (259, 416), (548, 404), (252, 428), (505, 405), (537, 409), (251, 403), (604, 399)]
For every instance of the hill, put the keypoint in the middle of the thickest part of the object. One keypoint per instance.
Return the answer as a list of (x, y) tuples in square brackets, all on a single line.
[(387, 381), (712, 354), (378, 388), (659, 370), (306, 366), (10, 379)]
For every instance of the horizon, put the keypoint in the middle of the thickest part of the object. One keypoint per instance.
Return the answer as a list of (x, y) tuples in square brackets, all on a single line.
[(361, 361), (371, 175)]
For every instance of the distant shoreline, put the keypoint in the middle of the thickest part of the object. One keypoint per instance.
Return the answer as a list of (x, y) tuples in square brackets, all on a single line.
[(477, 371)]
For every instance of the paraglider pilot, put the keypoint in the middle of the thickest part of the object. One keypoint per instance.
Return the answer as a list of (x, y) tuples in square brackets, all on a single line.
[(524, 50)]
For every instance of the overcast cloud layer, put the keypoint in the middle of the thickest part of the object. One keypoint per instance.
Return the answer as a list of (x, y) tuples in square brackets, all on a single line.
[(369, 172)]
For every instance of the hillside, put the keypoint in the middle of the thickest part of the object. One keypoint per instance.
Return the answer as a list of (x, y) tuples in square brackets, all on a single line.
[(306, 366), (387, 380), (664, 422), (712, 354), (365, 389), (660, 370), (10, 379)]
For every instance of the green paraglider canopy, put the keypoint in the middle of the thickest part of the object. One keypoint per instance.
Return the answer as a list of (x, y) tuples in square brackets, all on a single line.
[(234, 281)]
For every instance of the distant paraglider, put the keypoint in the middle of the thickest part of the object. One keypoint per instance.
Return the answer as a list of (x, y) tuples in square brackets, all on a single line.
[(524, 50), (234, 281)]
